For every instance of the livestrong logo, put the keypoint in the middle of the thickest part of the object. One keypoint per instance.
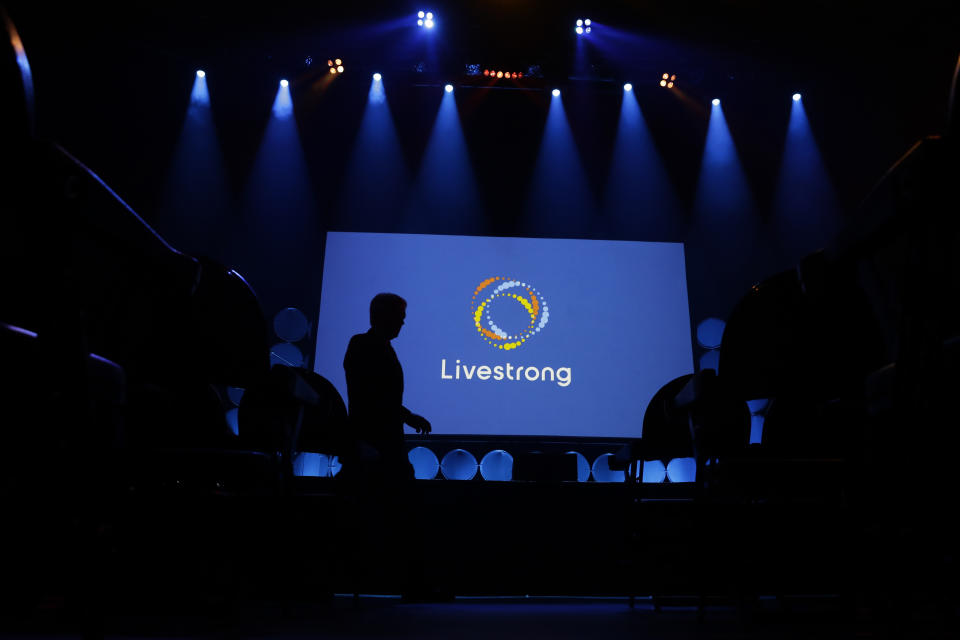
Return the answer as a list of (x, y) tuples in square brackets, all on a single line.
[(486, 296)]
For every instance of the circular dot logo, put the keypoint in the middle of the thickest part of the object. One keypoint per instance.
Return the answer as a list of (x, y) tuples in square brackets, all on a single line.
[(491, 293)]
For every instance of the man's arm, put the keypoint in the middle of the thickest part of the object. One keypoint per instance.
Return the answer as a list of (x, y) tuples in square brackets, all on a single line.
[(419, 423)]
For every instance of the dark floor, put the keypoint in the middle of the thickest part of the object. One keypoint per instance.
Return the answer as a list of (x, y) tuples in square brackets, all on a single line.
[(820, 618)]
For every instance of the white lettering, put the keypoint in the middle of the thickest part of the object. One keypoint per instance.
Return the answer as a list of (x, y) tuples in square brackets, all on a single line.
[(563, 376)]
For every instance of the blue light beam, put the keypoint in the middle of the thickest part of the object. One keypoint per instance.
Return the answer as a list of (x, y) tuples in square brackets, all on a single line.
[(376, 178), (806, 212), (723, 241), (195, 203), (445, 198), (639, 201), (279, 232), (559, 203)]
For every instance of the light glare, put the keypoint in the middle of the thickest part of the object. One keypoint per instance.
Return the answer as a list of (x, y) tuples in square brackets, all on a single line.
[(377, 77), (556, 93), (284, 83), (716, 102), (448, 88), (796, 97), (628, 87), (201, 74)]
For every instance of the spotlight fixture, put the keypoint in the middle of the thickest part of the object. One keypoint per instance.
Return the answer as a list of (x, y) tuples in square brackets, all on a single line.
[(336, 65), (284, 83), (201, 73), (628, 87), (582, 26), (377, 77), (495, 73), (716, 102), (556, 93), (796, 97), (448, 88), (425, 19), (668, 80)]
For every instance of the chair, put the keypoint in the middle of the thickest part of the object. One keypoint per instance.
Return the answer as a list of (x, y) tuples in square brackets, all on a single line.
[(292, 410)]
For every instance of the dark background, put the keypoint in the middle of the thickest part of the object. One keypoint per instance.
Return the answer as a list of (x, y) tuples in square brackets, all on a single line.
[(113, 86)]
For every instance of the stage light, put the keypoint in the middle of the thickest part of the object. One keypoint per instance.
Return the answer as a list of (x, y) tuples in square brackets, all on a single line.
[(586, 22), (332, 70), (338, 62), (201, 74), (796, 97), (340, 69), (582, 26), (499, 74), (284, 83), (628, 87), (448, 88), (579, 23), (425, 19), (663, 83), (669, 85), (716, 102), (556, 93), (486, 72), (377, 77), (579, 31)]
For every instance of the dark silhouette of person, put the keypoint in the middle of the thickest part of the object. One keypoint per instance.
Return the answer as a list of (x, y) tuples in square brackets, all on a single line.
[(381, 475), (375, 390)]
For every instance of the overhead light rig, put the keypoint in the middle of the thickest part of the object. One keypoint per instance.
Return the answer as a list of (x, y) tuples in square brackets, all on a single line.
[(503, 77)]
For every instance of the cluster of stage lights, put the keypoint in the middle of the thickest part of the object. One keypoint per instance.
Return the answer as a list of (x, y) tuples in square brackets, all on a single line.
[(491, 73), (425, 19), (336, 66), (583, 26), (449, 87), (668, 80)]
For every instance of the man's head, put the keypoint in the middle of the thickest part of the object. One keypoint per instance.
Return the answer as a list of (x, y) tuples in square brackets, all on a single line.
[(387, 312)]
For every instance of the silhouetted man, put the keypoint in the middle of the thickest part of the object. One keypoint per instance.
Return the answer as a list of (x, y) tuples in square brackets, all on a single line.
[(375, 390), (381, 472)]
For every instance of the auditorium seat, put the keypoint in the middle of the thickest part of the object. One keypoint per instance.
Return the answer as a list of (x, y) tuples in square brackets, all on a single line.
[(293, 410)]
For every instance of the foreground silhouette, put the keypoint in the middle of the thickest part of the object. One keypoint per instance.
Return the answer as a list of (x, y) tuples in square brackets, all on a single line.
[(378, 468)]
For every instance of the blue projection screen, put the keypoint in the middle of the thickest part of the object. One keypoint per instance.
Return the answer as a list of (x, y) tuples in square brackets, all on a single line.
[(515, 336)]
